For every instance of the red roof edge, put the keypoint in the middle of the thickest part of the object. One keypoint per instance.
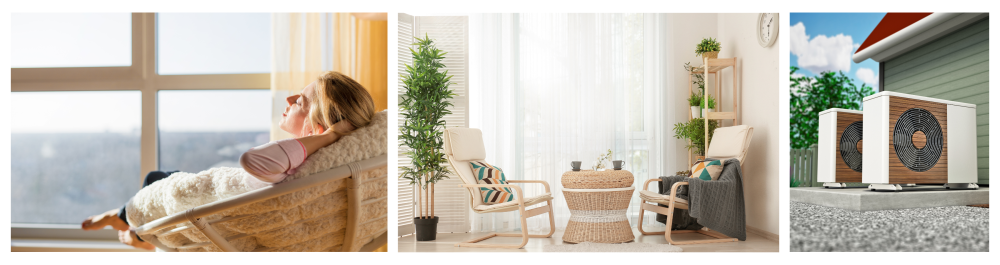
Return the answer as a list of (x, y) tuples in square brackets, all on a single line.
[(890, 24)]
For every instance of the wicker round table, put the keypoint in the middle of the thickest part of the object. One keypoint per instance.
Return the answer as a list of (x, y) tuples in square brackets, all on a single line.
[(598, 201)]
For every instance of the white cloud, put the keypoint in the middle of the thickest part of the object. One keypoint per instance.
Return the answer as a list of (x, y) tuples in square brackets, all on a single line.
[(822, 53), (868, 76)]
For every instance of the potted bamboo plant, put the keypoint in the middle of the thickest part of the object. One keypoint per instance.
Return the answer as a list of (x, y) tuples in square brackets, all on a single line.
[(423, 105), (708, 48)]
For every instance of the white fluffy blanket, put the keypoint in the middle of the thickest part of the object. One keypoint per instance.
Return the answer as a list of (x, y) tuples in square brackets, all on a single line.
[(272, 226)]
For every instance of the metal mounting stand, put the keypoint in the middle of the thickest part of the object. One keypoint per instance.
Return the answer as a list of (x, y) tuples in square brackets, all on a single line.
[(834, 185), (961, 186), (885, 187)]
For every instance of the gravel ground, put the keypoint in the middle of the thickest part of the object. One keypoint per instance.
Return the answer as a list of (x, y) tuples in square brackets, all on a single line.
[(955, 228)]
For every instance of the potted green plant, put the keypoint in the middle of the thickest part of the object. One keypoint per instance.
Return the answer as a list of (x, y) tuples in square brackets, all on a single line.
[(699, 79), (423, 106), (708, 48), (694, 132), (695, 101), (710, 106)]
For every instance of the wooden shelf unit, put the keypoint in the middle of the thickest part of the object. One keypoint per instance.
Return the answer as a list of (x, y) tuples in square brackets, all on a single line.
[(715, 66)]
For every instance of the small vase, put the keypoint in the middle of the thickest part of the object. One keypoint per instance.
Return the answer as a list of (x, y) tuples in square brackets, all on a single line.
[(695, 113), (704, 112)]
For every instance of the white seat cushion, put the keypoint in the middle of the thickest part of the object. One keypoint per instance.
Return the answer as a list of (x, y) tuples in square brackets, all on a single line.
[(651, 196), (512, 205), (730, 142)]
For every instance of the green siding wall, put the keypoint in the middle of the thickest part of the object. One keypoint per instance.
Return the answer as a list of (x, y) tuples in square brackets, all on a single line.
[(954, 67)]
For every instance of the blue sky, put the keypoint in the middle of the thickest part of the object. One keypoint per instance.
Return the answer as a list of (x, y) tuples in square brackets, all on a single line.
[(826, 41)]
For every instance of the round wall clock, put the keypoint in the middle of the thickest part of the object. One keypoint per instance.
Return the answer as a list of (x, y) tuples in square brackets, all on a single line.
[(767, 29)]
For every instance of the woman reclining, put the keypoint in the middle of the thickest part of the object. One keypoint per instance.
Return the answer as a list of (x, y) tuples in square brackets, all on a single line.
[(325, 110)]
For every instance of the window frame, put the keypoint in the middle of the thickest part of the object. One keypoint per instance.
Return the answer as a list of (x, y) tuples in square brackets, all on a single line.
[(140, 76)]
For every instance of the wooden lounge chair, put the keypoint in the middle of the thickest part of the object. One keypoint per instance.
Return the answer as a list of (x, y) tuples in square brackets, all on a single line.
[(156, 229), (465, 145), (727, 142)]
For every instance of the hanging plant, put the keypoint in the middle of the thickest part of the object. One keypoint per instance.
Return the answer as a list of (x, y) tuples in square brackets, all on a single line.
[(699, 79)]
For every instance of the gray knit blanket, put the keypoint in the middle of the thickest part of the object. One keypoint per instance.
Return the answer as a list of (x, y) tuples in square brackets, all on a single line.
[(717, 204)]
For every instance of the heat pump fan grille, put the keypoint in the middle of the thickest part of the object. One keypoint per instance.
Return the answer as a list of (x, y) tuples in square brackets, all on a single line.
[(849, 146), (909, 123)]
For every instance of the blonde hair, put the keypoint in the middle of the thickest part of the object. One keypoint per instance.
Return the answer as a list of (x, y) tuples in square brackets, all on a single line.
[(338, 97)]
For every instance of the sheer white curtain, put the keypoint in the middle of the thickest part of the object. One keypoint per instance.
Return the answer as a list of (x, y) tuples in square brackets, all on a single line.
[(547, 89)]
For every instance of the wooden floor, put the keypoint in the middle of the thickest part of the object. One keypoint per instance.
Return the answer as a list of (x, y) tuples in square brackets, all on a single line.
[(445, 243)]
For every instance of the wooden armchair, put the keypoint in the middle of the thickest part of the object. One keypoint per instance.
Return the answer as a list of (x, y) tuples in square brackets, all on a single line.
[(463, 146), (727, 143)]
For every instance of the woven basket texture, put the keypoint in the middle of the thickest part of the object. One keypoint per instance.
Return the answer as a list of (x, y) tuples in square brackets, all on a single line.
[(613, 232), (607, 205), (591, 201), (589, 179)]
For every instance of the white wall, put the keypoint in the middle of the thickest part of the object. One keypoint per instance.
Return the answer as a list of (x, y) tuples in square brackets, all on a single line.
[(688, 30), (757, 76)]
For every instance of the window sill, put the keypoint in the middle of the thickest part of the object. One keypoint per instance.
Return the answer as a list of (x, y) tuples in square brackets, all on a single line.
[(68, 245), (64, 237)]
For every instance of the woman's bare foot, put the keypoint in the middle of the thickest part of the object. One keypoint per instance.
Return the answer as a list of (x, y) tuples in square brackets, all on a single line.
[(105, 219), (128, 237)]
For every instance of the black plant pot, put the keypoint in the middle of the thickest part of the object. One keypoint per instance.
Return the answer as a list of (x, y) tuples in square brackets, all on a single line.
[(427, 228)]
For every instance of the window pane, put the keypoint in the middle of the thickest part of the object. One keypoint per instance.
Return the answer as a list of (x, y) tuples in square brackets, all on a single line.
[(73, 154), (202, 129), (206, 43), (70, 40)]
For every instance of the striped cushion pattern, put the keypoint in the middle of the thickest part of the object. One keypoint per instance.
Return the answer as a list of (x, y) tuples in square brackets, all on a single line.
[(488, 174)]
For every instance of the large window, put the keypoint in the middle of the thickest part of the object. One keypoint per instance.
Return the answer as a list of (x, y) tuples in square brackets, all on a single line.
[(555, 88), (70, 40), (90, 116), (199, 130), (74, 154), (208, 43)]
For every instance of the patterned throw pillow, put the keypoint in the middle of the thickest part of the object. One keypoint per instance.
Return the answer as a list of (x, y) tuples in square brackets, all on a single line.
[(707, 170), (487, 174)]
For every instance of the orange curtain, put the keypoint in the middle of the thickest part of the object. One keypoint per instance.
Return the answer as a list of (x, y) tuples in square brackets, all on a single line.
[(304, 45), (373, 51)]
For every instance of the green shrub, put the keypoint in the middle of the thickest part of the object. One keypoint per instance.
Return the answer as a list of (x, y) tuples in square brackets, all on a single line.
[(810, 96), (694, 132)]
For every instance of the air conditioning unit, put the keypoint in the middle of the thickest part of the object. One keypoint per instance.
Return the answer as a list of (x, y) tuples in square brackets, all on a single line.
[(913, 140), (840, 146)]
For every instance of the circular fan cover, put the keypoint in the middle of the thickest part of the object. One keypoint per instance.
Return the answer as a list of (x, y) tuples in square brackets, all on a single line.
[(849, 146), (909, 123)]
